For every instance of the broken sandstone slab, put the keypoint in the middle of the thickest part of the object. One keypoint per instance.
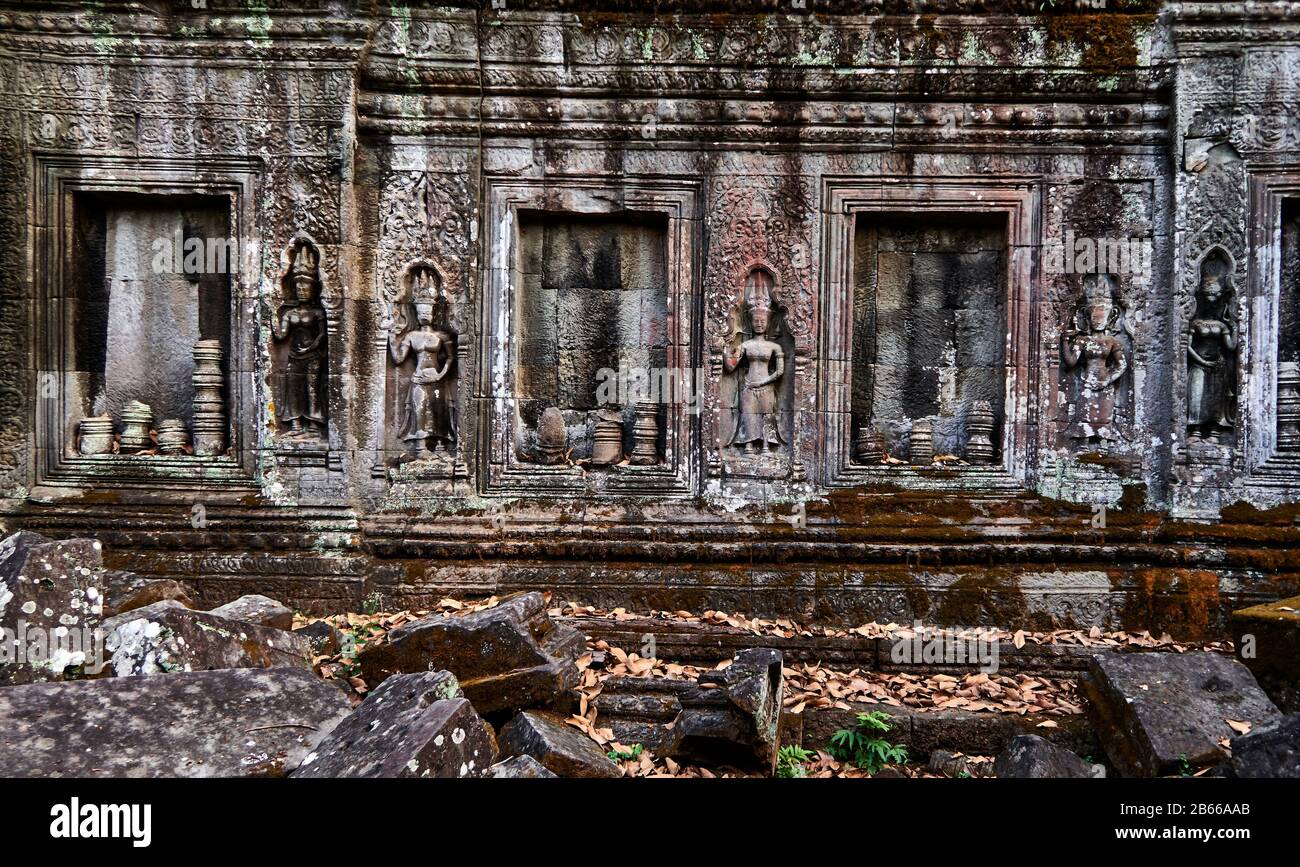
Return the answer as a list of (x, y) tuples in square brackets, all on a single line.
[(50, 604), (1271, 750), (413, 725), (258, 610), (235, 723), (726, 714), (1155, 711), (520, 768), (558, 746), (166, 637), (508, 657), (1034, 757), (127, 591)]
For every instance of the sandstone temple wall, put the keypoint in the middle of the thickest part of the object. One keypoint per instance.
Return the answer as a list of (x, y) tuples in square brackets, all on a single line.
[(1054, 248)]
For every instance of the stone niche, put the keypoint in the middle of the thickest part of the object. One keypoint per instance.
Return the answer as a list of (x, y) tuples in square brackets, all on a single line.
[(149, 278), (1288, 332), (592, 312), (929, 335)]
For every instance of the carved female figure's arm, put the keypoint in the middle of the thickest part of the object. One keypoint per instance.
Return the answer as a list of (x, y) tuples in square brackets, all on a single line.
[(398, 352), (280, 326), (1191, 350), (1070, 353), (449, 354), (779, 357), (731, 357), (1121, 362), (319, 321)]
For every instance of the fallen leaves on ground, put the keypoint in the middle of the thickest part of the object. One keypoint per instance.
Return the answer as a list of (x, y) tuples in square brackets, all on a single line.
[(810, 685), (785, 627)]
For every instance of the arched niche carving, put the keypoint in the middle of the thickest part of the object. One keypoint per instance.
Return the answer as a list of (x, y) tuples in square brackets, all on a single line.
[(423, 351), (758, 365)]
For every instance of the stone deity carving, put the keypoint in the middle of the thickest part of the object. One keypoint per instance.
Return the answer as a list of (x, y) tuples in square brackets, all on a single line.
[(429, 414), (759, 362), (1211, 355), (1091, 344), (303, 328)]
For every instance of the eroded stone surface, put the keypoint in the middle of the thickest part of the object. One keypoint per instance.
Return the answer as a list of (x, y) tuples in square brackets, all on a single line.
[(259, 610), (519, 768), (1269, 750), (413, 725), (1033, 757), (507, 657), (50, 605), (1156, 711), (166, 637), (1267, 639), (126, 591), (232, 723), (561, 748), (324, 639)]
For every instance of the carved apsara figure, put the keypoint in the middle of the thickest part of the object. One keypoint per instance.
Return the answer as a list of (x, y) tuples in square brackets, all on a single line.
[(303, 327), (429, 417), (1211, 355), (1091, 344), (759, 361)]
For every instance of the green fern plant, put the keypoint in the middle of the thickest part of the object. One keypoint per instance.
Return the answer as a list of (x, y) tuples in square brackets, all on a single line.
[(790, 761), (863, 745)]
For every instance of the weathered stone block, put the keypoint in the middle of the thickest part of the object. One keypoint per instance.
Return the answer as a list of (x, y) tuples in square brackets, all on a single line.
[(232, 723), (1267, 640), (50, 604), (1271, 750), (323, 638), (413, 725), (1153, 711), (508, 657), (258, 610), (520, 768), (1033, 757), (733, 713), (166, 637), (559, 747), (126, 591)]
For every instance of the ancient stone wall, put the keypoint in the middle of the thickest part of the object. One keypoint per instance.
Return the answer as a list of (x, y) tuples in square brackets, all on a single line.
[(975, 312)]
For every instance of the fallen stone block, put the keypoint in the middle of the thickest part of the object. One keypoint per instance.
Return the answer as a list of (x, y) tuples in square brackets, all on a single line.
[(520, 768), (558, 746), (1033, 757), (323, 638), (166, 637), (127, 591), (508, 657), (1267, 641), (1155, 711), (233, 723), (733, 714), (1271, 750), (946, 763), (50, 604), (258, 610), (413, 725)]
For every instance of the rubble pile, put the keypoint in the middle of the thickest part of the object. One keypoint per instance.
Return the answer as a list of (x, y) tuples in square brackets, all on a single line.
[(132, 680)]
